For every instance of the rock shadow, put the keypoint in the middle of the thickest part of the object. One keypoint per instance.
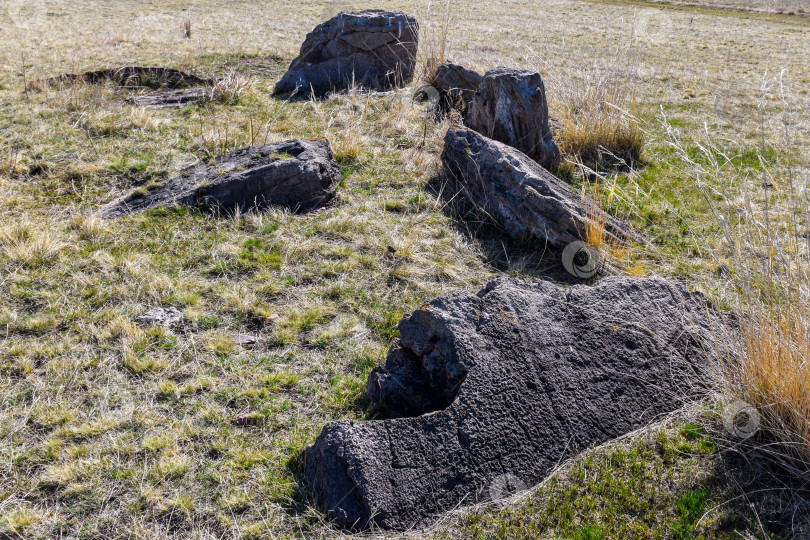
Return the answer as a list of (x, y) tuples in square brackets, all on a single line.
[(529, 257)]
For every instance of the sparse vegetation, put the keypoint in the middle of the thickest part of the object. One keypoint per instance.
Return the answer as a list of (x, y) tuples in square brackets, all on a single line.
[(111, 429)]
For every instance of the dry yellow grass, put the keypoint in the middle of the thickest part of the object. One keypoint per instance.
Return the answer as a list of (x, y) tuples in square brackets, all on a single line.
[(111, 429), (772, 375)]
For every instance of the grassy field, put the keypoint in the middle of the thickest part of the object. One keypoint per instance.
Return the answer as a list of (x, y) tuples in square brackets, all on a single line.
[(112, 430)]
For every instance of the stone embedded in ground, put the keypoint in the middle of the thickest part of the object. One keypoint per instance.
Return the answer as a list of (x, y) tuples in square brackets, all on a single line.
[(134, 77), (160, 316), (244, 339), (508, 382), (456, 86), (300, 174), (166, 99), (527, 199), (371, 49), (510, 106)]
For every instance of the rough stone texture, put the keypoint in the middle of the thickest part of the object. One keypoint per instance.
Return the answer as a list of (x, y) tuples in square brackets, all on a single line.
[(457, 86), (510, 106), (300, 174), (134, 77), (166, 99), (160, 316), (526, 198), (373, 49), (509, 382)]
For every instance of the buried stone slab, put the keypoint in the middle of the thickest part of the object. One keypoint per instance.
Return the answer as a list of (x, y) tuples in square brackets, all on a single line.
[(510, 106), (160, 316), (166, 99), (506, 383), (372, 49), (527, 199), (300, 174), (133, 77)]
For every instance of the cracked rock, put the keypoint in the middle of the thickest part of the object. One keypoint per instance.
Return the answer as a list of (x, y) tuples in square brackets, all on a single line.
[(527, 199), (300, 174), (371, 49), (505, 384), (510, 106)]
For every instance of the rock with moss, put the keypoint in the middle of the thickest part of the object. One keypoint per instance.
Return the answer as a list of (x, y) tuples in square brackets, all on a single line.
[(528, 200), (488, 392), (372, 49), (300, 174), (510, 106)]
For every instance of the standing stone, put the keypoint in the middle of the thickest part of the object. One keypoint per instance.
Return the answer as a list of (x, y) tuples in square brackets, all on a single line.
[(528, 200), (372, 49), (510, 106), (456, 86)]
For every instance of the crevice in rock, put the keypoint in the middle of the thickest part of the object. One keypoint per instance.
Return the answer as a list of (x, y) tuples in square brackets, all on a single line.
[(410, 385)]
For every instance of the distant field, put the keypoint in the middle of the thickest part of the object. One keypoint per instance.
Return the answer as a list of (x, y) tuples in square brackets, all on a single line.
[(788, 7), (110, 430)]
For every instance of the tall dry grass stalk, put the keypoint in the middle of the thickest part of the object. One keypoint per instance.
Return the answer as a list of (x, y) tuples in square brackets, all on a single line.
[(596, 121), (595, 228), (761, 209), (433, 43)]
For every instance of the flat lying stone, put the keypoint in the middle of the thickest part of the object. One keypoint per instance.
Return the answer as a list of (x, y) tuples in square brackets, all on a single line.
[(507, 383), (133, 77), (160, 316), (167, 99), (244, 339), (300, 174), (527, 199), (372, 49)]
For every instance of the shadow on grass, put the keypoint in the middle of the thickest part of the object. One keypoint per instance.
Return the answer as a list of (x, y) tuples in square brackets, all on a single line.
[(761, 496), (529, 258)]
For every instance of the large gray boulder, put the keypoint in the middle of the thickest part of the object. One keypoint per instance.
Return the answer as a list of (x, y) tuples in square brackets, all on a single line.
[(372, 49), (526, 198), (494, 389), (510, 106), (300, 174), (456, 86)]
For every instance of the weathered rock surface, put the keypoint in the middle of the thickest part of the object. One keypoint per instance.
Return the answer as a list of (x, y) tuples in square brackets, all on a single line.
[(300, 174), (166, 99), (509, 382), (373, 49), (161, 316), (510, 106), (134, 77), (526, 198), (457, 86)]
